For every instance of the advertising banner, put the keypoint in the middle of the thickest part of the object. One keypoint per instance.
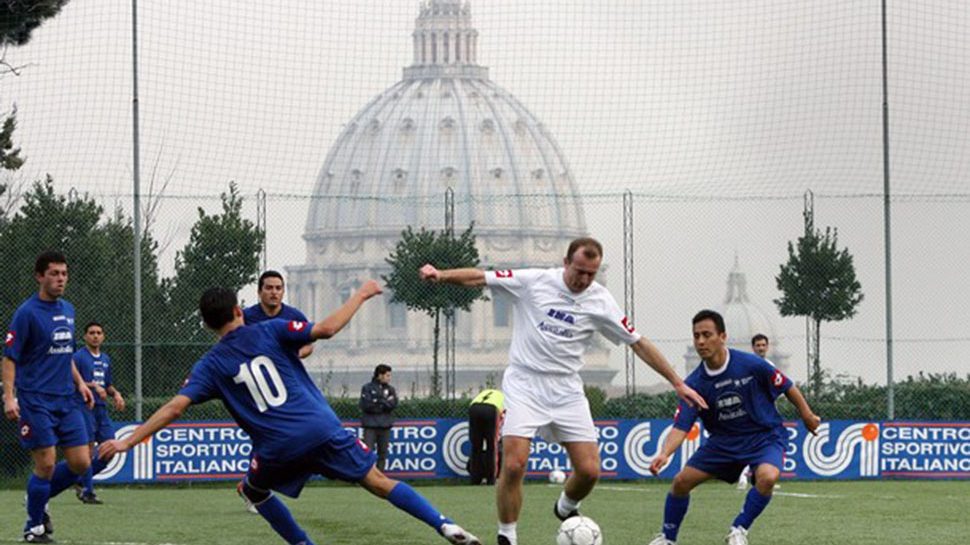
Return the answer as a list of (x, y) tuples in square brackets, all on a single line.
[(438, 448)]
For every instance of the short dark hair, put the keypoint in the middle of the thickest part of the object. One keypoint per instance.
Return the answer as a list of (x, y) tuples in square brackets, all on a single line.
[(269, 274), (381, 369), (46, 258), (759, 337), (91, 324), (711, 315), (592, 249), (216, 305)]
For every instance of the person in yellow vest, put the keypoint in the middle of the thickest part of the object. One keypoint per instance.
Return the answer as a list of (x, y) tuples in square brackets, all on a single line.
[(484, 422)]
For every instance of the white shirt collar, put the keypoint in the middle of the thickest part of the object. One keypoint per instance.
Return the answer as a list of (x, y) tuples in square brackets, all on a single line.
[(723, 367)]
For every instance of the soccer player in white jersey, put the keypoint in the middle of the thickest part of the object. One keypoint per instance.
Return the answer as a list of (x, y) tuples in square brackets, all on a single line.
[(556, 312)]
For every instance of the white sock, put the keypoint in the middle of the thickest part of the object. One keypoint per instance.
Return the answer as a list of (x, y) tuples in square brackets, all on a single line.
[(508, 530), (566, 504)]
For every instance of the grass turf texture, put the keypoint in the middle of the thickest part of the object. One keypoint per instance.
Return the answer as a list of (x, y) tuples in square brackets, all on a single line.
[(852, 513)]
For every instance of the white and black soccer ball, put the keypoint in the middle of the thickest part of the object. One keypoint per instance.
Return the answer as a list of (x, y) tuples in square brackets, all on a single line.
[(579, 531), (557, 476)]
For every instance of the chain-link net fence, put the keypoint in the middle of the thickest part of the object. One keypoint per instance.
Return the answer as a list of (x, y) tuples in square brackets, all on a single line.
[(684, 141)]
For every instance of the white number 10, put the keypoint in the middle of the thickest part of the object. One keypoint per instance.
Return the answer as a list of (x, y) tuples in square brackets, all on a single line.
[(254, 374)]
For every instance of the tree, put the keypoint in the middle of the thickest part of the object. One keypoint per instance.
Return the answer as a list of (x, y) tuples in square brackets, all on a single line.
[(223, 250), (18, 18), (818, 282), (444, 251)]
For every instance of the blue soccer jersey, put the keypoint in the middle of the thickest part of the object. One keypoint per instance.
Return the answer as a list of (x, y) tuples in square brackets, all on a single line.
[(741, 396), (41, 342), (255, 314), (96, 369), (256, 372)]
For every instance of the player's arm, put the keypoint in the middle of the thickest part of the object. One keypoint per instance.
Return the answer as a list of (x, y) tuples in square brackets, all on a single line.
[(652, 356), (11, 409), (164, 416), (82, 386), (331, 325), (472, 278), (116, 397), (810, 419), (671, 444)]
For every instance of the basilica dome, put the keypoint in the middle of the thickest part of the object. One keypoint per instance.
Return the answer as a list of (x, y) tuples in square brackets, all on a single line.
[(445, 125)]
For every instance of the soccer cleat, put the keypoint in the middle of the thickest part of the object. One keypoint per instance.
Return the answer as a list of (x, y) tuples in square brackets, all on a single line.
[(249, 505), (502, 540), (456, 535), (90, 499), (37, 535), (737, 536), (571, 514), (48, 525), (661, 539)]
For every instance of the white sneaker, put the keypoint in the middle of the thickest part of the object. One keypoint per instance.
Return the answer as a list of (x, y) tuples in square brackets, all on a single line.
[(737, 536), (661, 539), (249, 505), (743, 481), (456, 535)]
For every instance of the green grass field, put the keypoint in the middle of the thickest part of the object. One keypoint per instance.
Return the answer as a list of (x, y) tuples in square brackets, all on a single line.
[(810, 513)]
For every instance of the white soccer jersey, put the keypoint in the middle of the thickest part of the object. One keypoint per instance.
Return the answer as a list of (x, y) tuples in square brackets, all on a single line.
[(554, 327)]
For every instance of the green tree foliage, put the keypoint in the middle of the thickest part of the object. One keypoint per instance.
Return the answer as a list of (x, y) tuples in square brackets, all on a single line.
[(18, 18), (818, 282), (444, 251)]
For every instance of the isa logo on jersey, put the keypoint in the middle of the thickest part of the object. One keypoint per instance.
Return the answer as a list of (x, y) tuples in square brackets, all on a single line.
[(856, 443)]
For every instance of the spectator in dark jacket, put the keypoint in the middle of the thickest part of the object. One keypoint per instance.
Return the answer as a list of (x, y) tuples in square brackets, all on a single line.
[(377, 401)]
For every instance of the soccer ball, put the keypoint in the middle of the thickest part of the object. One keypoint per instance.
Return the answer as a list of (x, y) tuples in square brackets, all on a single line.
[(557, 476), (579, 531)]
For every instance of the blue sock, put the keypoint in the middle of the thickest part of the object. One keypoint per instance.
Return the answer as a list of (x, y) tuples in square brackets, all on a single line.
[(87, 480), (38, 492), (63, 478), (675, 509), (406, 499), (279, 517), (754, 504)]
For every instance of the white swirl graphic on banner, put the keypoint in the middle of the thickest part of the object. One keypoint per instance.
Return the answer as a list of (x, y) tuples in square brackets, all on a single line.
[(455, 459), (640, 436), (118, 462), (863, 435)]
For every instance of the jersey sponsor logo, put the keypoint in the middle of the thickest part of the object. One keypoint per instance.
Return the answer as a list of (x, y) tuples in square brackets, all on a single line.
[(730, 406), (11, 337), (507, 273), (60, 318), (25, 430), (778, 379), (560, 315), (627, 325), (556, 330), (297, 326), (723, 383), (61, 336)]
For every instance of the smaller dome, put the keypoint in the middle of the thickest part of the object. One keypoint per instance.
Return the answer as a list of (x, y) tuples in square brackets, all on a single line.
[(742, 318)]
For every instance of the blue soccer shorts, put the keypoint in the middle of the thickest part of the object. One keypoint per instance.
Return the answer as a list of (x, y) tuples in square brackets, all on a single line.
[(51, 420), (343, 457), (726, 465), (100, 426)]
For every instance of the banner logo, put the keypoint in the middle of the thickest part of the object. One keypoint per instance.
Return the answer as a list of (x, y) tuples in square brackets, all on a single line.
[(865, 436)]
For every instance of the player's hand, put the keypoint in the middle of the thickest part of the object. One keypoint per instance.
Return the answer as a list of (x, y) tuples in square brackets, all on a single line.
[(812, 422), (102, 393), (658, 463), (109, 448), (691, 397), (429, 273), (11, 409), (370, 289), (119, 401), (86, 394)]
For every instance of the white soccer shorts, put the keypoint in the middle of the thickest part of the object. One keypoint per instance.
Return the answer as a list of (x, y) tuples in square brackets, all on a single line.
[(551, 406)]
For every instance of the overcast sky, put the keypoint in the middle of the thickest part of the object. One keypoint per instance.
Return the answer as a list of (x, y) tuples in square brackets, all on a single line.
[(722, 113)]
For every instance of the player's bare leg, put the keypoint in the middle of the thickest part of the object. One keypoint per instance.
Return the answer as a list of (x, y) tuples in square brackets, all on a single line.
[(402, 496), (508, 492), (585, 459)]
